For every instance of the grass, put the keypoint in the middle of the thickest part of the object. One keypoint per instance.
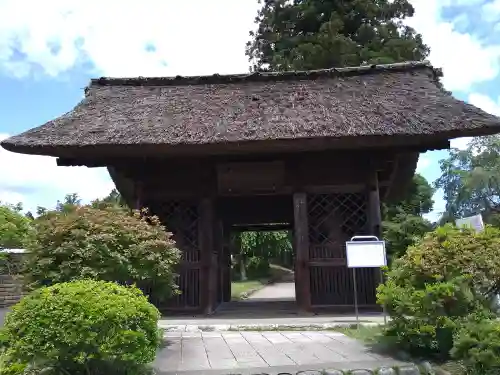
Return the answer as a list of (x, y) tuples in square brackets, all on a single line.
[(240, 289), (367, 334)]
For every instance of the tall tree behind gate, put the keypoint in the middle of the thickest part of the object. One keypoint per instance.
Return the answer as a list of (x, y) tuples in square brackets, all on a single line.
[(319, 34)]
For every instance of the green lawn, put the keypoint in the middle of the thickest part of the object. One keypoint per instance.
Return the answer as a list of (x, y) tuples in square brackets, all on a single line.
[(240, 288), (367, 334)]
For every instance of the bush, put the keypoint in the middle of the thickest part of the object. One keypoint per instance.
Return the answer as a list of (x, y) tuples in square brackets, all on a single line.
[(257, 267), (445, 278), (477, 346), (14, 227), (109, 244), (83, 327)]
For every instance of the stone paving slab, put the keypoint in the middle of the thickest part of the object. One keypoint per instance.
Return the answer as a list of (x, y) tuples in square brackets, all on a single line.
[(300, 323), (310, 369), (237, 351)]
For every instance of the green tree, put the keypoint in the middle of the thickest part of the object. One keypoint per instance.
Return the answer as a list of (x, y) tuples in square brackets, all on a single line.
[(113, 199), (316, 34), (470, 180), (257, 249), (14, 226), (68, 204), (403, 222), (109, 244)]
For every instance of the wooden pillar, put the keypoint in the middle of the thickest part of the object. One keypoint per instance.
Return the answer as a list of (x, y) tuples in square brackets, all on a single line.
[(374, 213), (226, 231), (220, 265), (301, 242), (138, 204), (208, 276), (224, 262)]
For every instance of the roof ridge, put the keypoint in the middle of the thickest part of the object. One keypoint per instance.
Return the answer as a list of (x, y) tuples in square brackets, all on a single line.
[(266, 76)]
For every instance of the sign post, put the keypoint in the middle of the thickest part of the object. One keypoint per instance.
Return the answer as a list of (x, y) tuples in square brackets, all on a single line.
[(365, 252)]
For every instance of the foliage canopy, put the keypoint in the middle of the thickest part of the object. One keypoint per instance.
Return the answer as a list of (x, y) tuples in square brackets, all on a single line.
[(316, 34), (470, 180), (403, 223), (108, 244), (441, 281), (14, 227)]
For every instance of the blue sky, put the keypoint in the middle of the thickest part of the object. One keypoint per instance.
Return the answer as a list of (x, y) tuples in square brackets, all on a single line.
[(48, 55)]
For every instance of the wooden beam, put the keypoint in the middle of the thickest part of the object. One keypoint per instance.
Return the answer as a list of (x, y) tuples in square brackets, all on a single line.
[(375, 215), (301, 242), (208, 275), (261, 227), (109, 157), (226, 255), (374, 212), (392, 177), (139, 197)]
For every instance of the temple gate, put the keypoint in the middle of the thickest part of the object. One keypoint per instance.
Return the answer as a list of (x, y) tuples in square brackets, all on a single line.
[(315, 152)]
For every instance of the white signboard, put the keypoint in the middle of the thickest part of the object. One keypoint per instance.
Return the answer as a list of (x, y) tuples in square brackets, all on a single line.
[(475, 222), (365, 254)]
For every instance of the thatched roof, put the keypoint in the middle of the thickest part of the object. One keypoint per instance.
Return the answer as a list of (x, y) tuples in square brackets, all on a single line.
[(362, 105)]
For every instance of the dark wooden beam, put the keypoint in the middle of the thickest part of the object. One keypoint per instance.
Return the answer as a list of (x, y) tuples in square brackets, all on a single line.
[(261, 227), (374, 215), (208, 277), (392, 177), (226, 255), (139, 196), (374, 209), (93, 158), (301, 242)]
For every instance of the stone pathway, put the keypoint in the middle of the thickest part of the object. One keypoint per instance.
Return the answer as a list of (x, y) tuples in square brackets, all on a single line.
[(280, 290), (226, 323), (264, 351)]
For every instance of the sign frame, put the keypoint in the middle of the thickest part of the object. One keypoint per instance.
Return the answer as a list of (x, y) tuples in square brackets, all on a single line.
[(370, 241), (360, 241)]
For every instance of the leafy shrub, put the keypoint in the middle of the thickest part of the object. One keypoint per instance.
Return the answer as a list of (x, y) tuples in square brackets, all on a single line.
[(14, 227), (257, 267), (83, 327), (109, 244), (477, 346), (442, 280)]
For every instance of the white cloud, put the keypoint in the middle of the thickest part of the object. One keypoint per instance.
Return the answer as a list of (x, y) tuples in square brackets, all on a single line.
[(485, 103), (460, 143), (424, 162), (463, 57), (55, 35), (38, 181), (491, 10), (126, 37)]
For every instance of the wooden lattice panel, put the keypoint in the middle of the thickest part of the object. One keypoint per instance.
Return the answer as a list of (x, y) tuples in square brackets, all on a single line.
[(333, 220), (333, 286), (182, 219)]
